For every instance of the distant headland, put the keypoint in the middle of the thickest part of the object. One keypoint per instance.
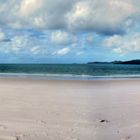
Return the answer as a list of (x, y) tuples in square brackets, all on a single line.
[(132, 62)]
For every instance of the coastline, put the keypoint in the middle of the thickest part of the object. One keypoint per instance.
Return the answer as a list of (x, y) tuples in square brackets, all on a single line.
[(66, 77), (40, 109)]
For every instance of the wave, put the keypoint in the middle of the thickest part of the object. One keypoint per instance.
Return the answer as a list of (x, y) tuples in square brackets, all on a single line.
[(67, 76)]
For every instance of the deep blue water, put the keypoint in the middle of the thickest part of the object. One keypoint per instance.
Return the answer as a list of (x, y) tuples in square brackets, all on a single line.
[(84, 71)]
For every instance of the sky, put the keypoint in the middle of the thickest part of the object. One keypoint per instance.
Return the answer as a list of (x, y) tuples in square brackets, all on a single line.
[(69, 31)]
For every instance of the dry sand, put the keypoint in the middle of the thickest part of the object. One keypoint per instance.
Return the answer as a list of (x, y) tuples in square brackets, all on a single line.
[(69, 110)]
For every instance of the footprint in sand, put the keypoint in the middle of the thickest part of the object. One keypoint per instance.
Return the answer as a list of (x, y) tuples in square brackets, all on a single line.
[(127, 138), (104, 121)]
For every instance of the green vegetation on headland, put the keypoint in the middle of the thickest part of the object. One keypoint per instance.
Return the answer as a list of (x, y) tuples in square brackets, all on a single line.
[(132, 62)]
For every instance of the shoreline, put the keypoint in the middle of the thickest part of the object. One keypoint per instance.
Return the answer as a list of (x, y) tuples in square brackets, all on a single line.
[(67, 77), (68, 80)]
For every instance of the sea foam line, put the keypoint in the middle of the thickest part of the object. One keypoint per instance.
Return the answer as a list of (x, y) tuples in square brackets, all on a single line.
[(67, 76)]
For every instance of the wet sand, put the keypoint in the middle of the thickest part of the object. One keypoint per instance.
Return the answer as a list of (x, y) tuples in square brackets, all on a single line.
[(32, 109)]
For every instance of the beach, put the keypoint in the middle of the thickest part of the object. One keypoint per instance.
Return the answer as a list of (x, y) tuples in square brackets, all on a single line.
[(40, 109)]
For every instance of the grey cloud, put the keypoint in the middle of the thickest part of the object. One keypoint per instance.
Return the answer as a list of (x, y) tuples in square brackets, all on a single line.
[(101, 16)]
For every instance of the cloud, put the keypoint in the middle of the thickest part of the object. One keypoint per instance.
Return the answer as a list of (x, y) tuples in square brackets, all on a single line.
[(62, 51), (123, 44), (19, 44), (30, 45), (35, 50), (22, 44), (101, 16), (90, 38), (80, 53), (28, 7), (62, 38), (34, 14), (2, 36), (69, 28)]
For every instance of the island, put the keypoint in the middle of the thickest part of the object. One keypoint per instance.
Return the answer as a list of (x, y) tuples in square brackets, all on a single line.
[(131, 62)]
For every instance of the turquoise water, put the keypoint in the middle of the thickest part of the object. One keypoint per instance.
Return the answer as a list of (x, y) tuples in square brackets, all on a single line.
[(70, 71)]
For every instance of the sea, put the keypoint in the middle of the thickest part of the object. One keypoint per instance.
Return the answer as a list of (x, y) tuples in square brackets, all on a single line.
[(71, 71)]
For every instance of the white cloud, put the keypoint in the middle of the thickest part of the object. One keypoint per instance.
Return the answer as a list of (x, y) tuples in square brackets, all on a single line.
[(2, 36), (62, 51), (35, 50), (123, 44), (90, 38), (26, 44), (62, 38), (115, 40), (19, 43), (80, 53), (28, 7), (118, 50)]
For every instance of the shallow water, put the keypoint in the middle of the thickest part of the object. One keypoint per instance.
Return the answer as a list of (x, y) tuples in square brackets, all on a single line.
[(71, 71)]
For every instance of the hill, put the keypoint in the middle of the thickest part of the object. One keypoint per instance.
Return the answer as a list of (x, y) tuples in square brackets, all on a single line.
[(132, 62)]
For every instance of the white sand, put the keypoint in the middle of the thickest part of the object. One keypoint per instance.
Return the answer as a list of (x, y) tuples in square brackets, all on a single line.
[(69, 110)]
